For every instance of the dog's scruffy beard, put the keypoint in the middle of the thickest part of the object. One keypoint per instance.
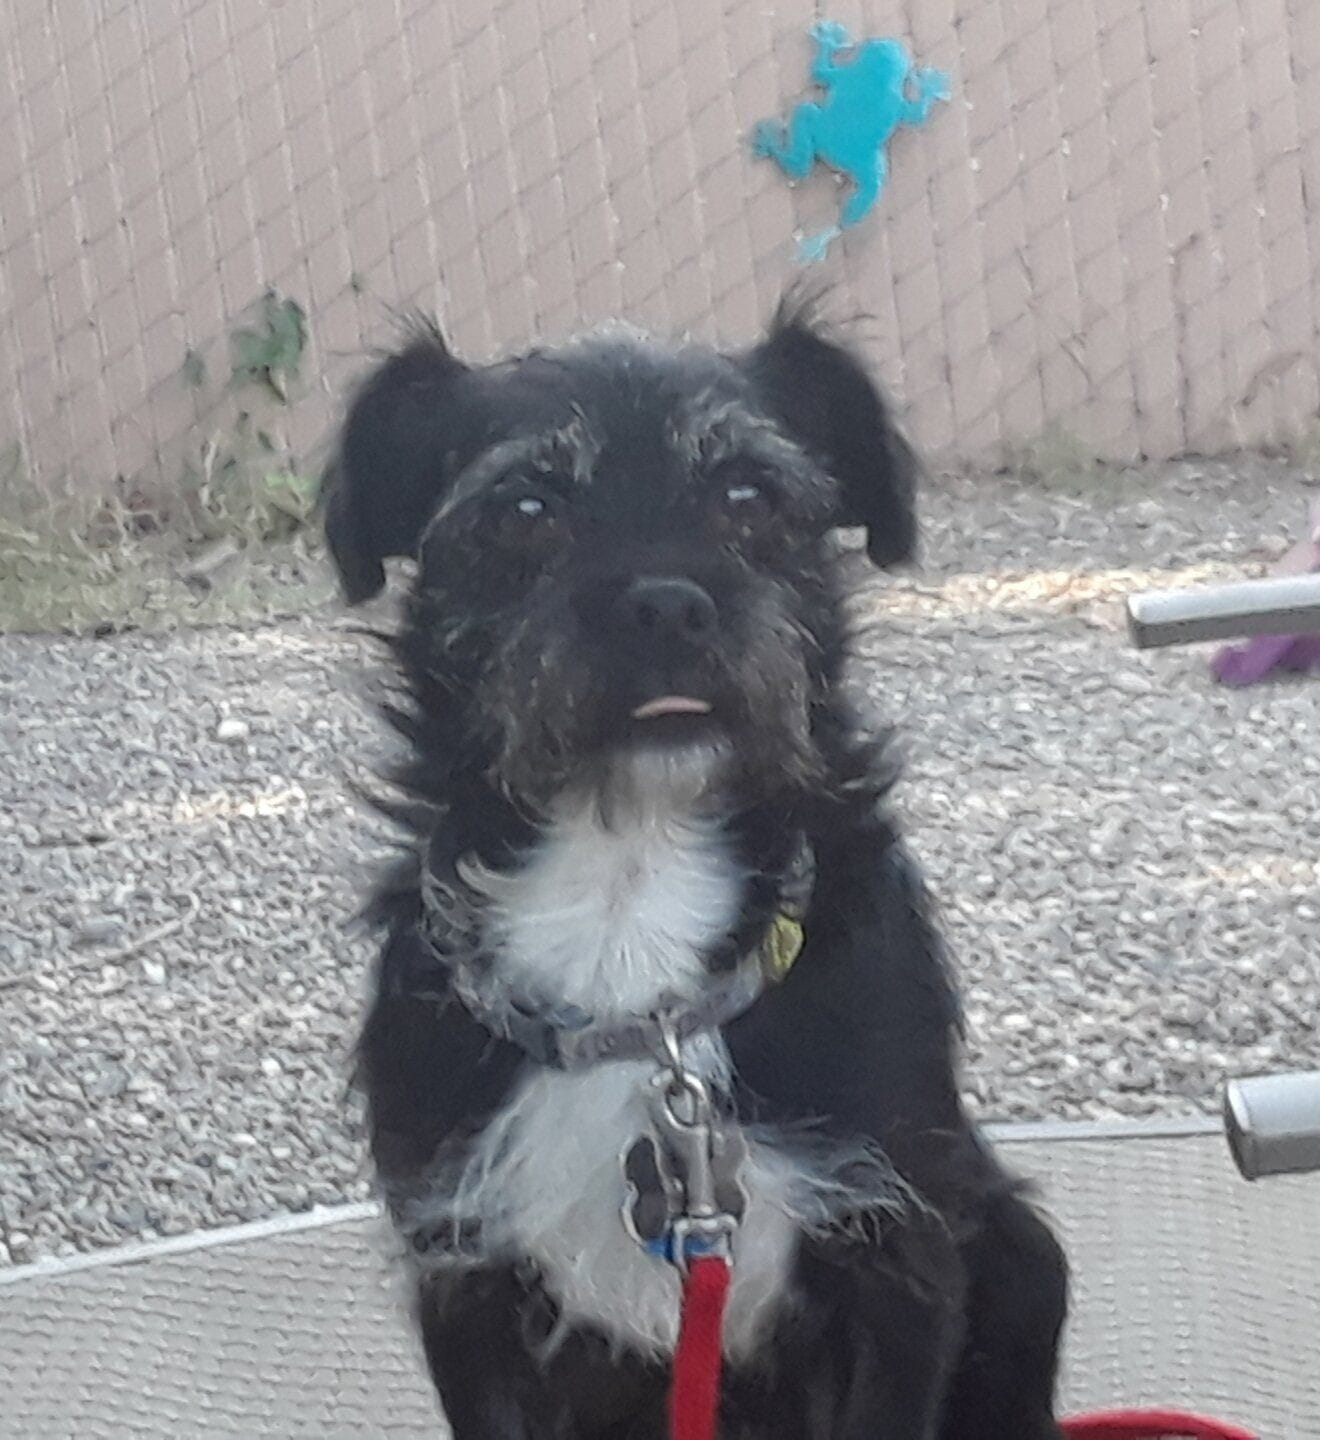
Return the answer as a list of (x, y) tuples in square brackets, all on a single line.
[(556, 727)]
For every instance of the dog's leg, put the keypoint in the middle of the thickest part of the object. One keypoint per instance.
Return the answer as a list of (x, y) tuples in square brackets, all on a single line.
[(467, 1366), (1003, 1385), (491, 1347), (868, 1351), (893, 1343)]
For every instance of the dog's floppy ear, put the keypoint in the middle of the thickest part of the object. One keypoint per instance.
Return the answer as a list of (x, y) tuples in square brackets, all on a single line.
[(825, 397), (390, 470)]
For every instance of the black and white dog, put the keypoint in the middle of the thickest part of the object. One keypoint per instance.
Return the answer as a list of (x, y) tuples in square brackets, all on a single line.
[(633, 780)]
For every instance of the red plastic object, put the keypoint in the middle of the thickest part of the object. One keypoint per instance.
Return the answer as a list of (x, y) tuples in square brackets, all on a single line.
[(1151, 1425)]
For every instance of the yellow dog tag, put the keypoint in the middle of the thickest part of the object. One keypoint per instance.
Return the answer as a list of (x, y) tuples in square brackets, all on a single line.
[(781, 947)]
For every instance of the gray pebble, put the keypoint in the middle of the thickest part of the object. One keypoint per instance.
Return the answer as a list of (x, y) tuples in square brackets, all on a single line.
[(131, 1215), (99, 930), (231, 731), (107, 1082)]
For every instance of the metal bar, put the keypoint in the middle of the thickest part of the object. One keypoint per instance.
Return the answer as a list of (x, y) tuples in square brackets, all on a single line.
[(1273, 1123), (1282, 605)]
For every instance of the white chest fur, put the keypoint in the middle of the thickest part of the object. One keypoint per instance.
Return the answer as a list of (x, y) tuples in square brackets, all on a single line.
[(559, 1188), (611, 918)]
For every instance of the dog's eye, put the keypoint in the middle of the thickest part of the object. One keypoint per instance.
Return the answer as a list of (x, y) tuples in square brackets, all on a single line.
[(525, 520), (743, 505)]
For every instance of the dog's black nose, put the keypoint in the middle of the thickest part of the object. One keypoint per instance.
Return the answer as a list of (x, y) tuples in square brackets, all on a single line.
[(669, 609)]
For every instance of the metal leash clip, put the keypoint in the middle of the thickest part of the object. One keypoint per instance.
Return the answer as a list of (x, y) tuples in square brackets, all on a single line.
[(686, 1197)]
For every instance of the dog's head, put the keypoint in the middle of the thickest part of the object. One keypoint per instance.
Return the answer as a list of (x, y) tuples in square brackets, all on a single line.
[(621, 544)]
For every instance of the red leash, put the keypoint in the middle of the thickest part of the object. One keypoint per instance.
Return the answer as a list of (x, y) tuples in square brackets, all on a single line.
[(694, 1397), (1151, 1425), (694, 1400)]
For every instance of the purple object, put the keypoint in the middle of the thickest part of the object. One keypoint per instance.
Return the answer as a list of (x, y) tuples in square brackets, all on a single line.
[(1246, 664)]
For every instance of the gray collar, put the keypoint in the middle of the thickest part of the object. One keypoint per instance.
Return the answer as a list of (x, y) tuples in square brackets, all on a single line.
[(565, 1037)]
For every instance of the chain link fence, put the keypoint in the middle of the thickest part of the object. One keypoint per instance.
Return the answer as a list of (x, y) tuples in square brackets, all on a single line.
[(1110, 232)]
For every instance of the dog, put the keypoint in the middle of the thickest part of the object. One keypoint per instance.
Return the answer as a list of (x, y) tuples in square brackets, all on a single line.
[(647, 837)]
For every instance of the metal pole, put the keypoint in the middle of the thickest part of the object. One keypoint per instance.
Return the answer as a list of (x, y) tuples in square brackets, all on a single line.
[(1282, 605), (1272, 1121)]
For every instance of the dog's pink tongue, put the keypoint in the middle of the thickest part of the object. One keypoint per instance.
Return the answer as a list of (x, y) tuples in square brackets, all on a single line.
[(671, 705)]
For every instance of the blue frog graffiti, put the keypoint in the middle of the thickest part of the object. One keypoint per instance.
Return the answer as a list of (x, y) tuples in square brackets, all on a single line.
[(868, 95)]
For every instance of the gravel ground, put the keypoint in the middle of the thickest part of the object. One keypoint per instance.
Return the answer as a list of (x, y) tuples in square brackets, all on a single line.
[(1127, 858)]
